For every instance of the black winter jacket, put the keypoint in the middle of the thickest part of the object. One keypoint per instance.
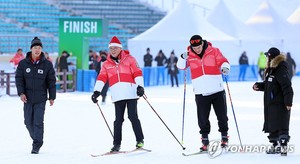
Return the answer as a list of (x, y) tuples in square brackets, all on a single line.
[(35, 80), (148, 58), (278, 93), (172, 67)]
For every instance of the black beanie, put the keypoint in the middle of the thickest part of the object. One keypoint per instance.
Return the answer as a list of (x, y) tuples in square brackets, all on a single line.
[(272, 52), (196, 40), (36, 42)]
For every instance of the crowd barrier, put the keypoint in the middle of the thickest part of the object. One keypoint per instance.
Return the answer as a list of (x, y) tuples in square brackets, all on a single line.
[(158, 76), (66, 81), (154, 76), (251, 73), (7, 82), (84, 80)]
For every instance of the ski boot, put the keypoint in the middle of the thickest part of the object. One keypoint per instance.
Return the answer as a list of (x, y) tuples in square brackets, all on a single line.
[(274, 149), (283, 150), (224, 142), (115, 148), (283, 140), (139, 144), (205, 143)]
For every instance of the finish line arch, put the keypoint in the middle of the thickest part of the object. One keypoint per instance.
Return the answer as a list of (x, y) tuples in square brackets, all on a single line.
[(74, 34)]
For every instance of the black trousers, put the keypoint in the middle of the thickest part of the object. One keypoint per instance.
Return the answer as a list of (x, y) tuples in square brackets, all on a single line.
[(218, 101), (173, 75), (133, 117), (34, 121)]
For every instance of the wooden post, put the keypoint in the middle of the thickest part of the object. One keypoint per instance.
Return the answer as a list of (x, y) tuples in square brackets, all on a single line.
[(2, 78), (8, 83), (65, 81)]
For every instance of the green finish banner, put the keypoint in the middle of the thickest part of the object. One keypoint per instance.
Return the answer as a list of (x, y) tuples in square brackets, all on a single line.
[(74, 34)]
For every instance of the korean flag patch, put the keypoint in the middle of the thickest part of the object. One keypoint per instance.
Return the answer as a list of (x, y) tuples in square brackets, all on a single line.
[(40, 71), (270, 79)]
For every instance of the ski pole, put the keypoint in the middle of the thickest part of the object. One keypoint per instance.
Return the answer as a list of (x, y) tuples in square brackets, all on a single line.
[(144, 96), (183, 109), (105, 120), (237, 128)]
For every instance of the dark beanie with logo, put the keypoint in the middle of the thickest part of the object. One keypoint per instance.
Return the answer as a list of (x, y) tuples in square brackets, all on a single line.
[(36, 42), (196, 40), (272, 52)]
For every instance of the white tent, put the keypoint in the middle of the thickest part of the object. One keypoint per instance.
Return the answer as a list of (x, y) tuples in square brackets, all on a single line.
[(294, 18), (268, 22), (279, 32), (248, 39), (293, 46), (224, 20), (173, 33)]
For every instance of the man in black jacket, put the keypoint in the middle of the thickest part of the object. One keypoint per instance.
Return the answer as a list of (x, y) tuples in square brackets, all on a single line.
[(148, 58), (161, 60), (35, 77)]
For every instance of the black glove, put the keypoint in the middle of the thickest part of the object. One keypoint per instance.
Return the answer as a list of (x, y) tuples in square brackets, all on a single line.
[(95, 96), (140, 91), (184, 55)]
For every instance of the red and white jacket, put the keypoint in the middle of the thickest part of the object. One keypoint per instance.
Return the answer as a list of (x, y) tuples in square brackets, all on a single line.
[(123, 77), (16, 59), (205, 72)]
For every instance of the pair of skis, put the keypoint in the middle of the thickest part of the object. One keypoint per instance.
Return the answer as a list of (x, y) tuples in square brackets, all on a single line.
[(212, 154), (194, 153), (121, 152), (148, 150)]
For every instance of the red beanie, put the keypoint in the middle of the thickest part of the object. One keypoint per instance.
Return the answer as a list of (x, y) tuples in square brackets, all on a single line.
[(115, 42)]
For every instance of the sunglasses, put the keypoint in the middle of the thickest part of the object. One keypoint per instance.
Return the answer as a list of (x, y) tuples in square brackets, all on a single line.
[(195, 41)]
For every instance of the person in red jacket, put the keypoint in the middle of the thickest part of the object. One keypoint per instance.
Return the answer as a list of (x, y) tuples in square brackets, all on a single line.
[(17, 58), (207, 65), (126, 83)]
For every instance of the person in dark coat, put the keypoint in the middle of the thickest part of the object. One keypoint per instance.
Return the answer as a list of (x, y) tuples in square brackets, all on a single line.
[(172, 68), (93, 59), (62, 62), (244, 63), (62, 65), (102, 58), (35, 79), (148, 58), (291, 65), (278, 99), (161, 61)]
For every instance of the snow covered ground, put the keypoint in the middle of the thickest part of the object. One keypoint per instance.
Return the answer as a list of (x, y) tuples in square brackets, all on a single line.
[(75, 129)]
